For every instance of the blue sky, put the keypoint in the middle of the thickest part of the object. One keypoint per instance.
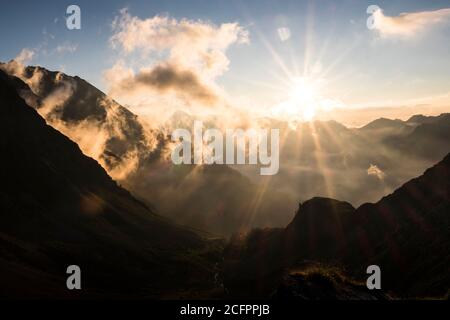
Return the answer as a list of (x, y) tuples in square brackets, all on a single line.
[(365, 68)]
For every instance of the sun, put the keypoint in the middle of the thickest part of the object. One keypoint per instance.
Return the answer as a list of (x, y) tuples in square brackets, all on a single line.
[(304, 97), (303, 90), (304, 100)]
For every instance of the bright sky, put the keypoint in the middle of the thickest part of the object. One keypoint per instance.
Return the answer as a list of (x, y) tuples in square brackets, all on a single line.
[(264, 55)]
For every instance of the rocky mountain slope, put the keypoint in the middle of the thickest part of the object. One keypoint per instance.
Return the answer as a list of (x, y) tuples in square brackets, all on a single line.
[(59, 207)]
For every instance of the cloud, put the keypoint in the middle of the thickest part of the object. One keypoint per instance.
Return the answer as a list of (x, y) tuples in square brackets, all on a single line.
[(166, 77), (25, 56), (57, 98), (408, 24), (194, 43), (373, 170), (16, 66), (113, 128), (170, 62)]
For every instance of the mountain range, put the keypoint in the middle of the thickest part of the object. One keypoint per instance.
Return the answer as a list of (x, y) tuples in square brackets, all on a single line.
[(317, 158), (59, 206)]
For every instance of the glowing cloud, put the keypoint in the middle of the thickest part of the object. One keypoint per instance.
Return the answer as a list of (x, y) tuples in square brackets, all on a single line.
[(196, 44), (179, 60), (373, 170), (25, 56), (408, 24)]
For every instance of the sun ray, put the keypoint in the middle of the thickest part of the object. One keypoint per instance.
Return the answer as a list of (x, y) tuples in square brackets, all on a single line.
[(318, 154), (309, 38), (261, 190)]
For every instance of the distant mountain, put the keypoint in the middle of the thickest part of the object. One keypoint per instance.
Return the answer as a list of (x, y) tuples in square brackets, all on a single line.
[(59, 207), (405, 233), (421, 119), (428, 140), (215, 198), (383, 123)]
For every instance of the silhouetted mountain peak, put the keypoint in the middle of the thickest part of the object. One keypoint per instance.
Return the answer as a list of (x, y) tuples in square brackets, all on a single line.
[(421, 119), (320, 210), (384, 123)]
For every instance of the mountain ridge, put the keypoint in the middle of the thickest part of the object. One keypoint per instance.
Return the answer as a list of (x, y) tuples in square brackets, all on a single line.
[(405, 233), (59, 208)]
